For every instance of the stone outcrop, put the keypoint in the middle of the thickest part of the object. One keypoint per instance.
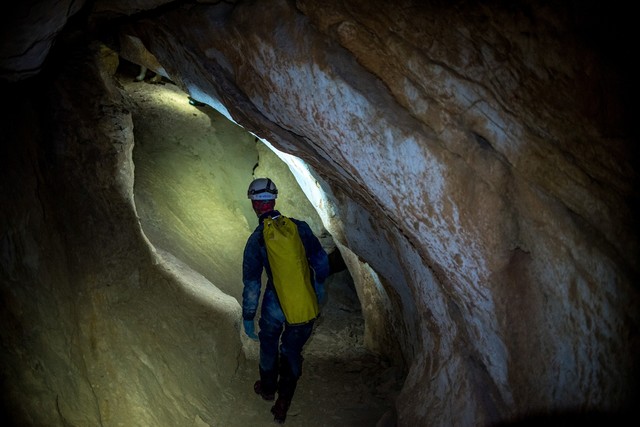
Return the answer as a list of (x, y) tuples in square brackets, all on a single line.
[(478, 164)]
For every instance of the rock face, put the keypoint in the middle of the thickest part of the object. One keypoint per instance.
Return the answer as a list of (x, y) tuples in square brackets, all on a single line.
[(479, 170)]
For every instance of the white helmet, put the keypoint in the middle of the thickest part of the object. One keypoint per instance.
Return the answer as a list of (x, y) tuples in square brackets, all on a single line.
[(262, 189)]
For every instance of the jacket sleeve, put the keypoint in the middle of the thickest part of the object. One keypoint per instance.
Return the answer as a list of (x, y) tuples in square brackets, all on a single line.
[(317, 256), (252, 265)]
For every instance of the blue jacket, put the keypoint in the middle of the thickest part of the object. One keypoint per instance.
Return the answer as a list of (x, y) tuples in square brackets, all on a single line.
[(255, 260)]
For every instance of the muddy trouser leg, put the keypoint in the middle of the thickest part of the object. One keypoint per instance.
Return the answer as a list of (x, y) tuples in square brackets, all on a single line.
[(293, 340), (269, 335)]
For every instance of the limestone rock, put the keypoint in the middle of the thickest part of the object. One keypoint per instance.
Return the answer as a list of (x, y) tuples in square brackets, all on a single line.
[(478, 166)]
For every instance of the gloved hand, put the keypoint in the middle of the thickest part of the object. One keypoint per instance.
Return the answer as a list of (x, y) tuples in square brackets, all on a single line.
[(250, 329)]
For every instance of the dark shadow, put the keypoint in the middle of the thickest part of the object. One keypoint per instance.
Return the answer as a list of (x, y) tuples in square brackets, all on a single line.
[(573, 418)]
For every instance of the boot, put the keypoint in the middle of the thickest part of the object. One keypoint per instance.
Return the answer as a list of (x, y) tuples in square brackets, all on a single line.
[(257, 387), (279, 410)]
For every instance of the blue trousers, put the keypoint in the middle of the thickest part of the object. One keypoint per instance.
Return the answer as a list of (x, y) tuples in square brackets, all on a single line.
[(281, 352)]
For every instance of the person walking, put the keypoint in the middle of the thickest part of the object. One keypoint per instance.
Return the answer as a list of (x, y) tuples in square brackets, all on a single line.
[(281, 339)]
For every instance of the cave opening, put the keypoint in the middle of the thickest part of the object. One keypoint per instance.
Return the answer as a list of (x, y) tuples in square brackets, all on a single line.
[(192, 166)]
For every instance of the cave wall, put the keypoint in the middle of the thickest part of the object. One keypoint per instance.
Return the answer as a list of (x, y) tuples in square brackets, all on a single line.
[(478, 159), (95, 322), (479, 149)]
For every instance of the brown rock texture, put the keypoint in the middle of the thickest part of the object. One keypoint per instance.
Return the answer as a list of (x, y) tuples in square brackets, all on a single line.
[(479, 170)]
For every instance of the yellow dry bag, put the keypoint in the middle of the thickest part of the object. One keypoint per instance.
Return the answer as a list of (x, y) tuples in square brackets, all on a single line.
[(290, 270)]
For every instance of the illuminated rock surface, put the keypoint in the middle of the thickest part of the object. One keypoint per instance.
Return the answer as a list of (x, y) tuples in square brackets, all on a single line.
[(477, 169)]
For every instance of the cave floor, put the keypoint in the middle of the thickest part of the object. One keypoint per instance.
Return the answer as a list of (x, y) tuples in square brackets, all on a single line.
[(343, 384)]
